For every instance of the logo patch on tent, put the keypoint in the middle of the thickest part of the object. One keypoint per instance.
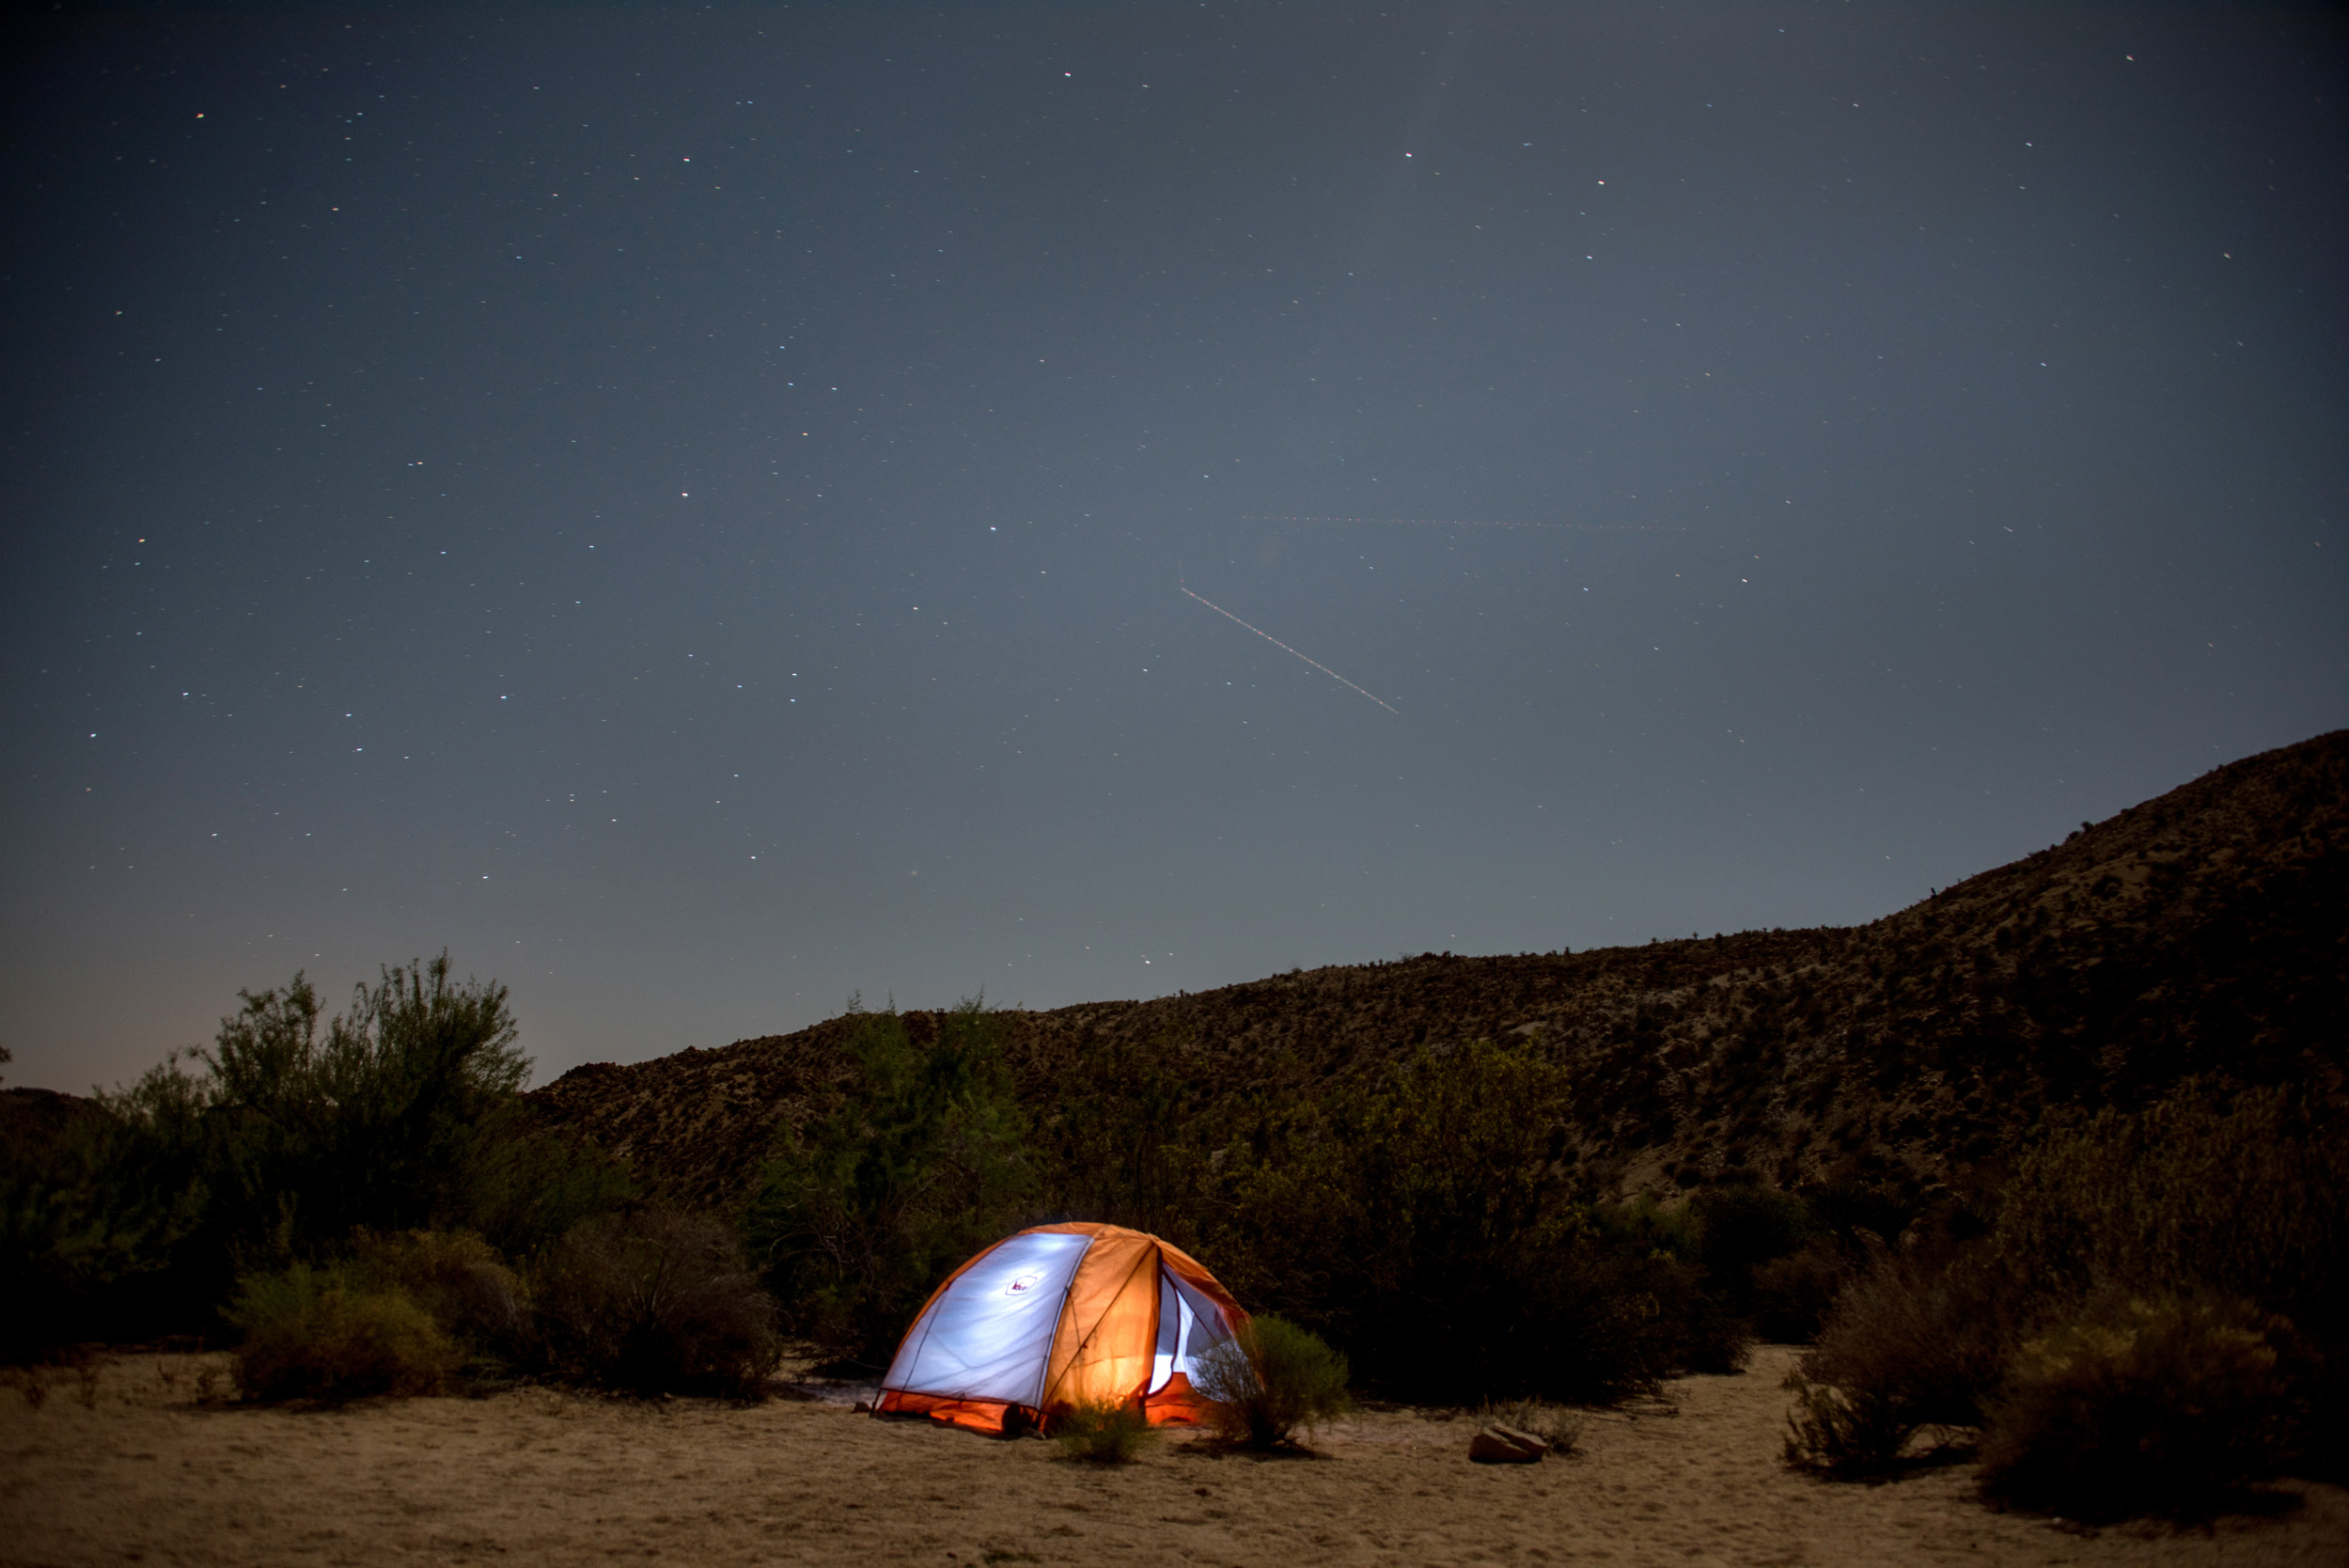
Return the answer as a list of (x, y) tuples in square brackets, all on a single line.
[(1023, 1284)]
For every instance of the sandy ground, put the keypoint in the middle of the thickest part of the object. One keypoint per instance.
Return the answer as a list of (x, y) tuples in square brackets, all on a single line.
[(143, 1474)]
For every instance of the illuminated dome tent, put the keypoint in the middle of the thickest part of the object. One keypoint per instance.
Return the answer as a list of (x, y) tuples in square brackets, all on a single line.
[(1057, 1317)]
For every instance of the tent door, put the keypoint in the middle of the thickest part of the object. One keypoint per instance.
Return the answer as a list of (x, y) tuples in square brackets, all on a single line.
[(1175, 1317)]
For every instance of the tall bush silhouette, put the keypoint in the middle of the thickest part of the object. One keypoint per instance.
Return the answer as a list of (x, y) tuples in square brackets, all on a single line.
[(916, 1163), (1423, 1206), (286, 1136), (654, 1302)]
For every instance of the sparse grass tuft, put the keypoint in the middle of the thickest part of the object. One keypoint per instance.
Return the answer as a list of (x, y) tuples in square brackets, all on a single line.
[(1103, 1433)]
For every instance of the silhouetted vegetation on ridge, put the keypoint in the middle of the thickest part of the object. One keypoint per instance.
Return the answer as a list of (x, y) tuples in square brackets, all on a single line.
[(2058, 1157), (271, 1150)]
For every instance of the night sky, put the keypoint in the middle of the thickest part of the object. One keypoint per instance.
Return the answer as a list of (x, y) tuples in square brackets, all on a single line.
[(690, 509)]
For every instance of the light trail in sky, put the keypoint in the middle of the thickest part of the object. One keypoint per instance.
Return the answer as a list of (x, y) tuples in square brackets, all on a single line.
[(1485, 523), (1286, 648)]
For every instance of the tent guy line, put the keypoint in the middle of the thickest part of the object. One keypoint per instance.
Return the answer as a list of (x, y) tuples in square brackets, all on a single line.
[(1286, 648)]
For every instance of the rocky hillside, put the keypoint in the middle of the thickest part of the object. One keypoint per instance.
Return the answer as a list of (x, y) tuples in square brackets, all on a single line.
[(2205, 931)]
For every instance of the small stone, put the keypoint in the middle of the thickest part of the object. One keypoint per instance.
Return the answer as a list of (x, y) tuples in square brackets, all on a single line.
[(1504, 1445)]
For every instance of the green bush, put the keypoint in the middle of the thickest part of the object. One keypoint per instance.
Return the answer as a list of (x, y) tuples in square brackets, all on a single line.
[(918, 1164), (1423, 1203), (1111, 1434), (290, 1132), (526, 1187), (652, 1303), (1118, 1142), (1270, 1381), (2142, 1406), (71, 1249), (316, 1333), (1646, 1225), (2198, 1217), (2244, 1194), (461, 1282)]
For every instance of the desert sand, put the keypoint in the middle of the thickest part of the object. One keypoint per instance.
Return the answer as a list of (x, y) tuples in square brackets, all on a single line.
[(133, 1469)]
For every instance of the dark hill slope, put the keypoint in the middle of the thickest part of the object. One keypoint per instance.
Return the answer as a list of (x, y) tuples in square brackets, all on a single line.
[(2205, 931)]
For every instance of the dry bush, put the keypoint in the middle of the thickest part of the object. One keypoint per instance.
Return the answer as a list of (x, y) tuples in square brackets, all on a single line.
[(652, 1303), (1109, 1433), (1912, 1343), (2140, 1397), (2247, 1194), (1792, 1295), (1847, 1432), (314, 1333), (2142, 1406), (1270, 1381)]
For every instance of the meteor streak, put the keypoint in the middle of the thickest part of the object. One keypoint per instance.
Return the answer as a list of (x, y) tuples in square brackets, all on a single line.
[(1484, 523), (1286, 648)]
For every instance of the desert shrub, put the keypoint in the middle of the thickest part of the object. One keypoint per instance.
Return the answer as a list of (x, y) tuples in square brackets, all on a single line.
[(2230, 1198), (528, 1185), (2246, 1195), (298, 1134), (1791, 1295), (2239, 1193), (1431, 1199), (460, 1281), (1611, 1317), (1116, 1143), (1668, 1317), (1860, 1215), (1693, 1329), (1109, 1433), (2141, 1406), (918, 1164), (293, 1130), (1742, 1229), (1649, 1226), (71, 1246), (1421, 1204), (1911, 1343), (1857, 1431), (1270, 1381), (317, 1334), (654, 1302)]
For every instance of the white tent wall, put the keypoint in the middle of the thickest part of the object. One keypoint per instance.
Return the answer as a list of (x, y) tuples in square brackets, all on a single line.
[(988, 1335)]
